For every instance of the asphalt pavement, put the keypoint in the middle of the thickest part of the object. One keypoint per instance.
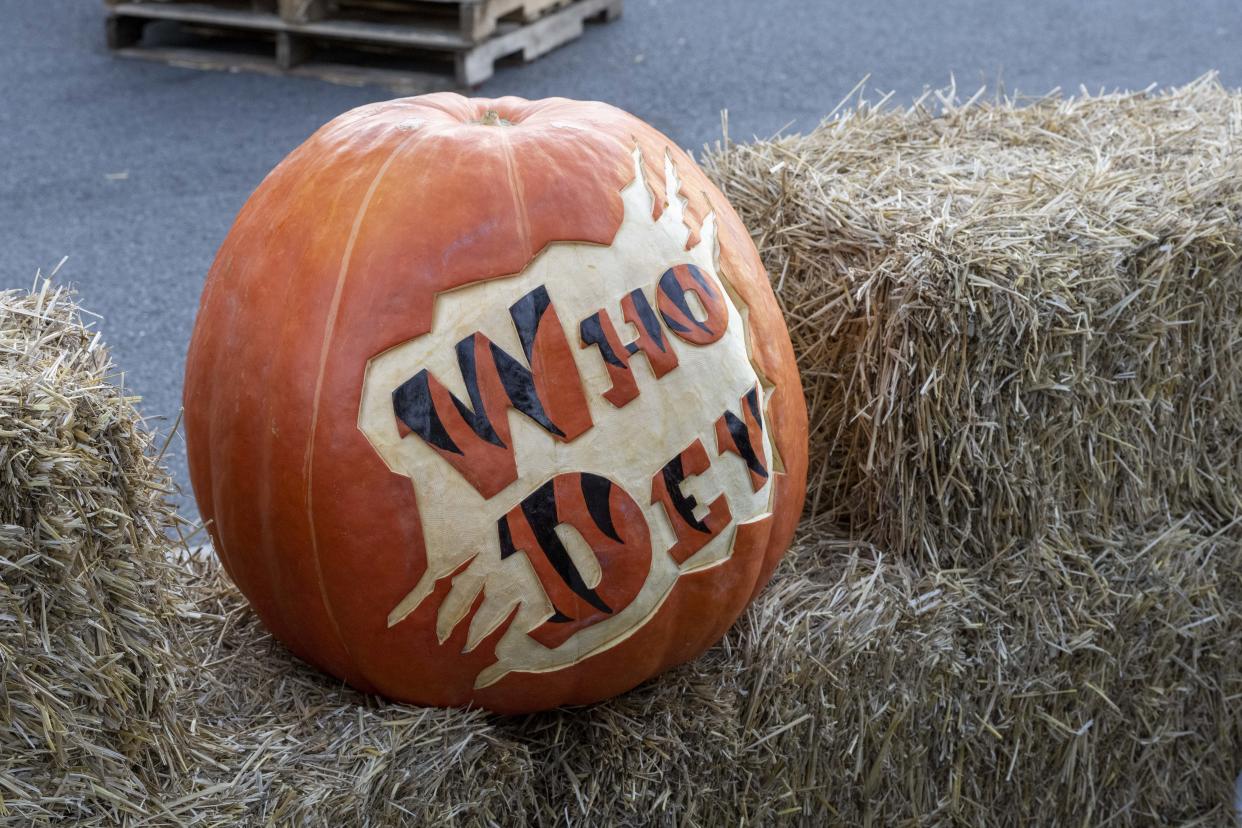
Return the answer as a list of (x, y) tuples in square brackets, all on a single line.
[(135, 170)]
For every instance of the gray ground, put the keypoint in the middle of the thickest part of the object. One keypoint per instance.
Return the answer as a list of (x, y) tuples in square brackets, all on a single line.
[(135, 170)]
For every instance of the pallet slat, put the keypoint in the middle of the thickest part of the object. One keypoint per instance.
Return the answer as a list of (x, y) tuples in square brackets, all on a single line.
[(421, 35), (403, 81), (473, 20), (477, 19), (295, 42)]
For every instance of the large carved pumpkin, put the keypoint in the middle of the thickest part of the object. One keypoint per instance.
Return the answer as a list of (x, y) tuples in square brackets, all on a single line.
[(490, 402)]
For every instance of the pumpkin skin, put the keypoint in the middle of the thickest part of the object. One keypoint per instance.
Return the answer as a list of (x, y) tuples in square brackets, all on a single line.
[(384, 427)]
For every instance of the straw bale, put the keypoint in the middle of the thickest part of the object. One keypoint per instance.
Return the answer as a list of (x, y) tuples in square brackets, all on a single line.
[(1012, 321), (87, 677)]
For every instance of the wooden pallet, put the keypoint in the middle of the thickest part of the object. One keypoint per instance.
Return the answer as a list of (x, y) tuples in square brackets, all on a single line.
[(446, 45)]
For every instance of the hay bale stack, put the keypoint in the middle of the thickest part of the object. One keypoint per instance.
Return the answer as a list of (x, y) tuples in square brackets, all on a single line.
[(1013, 321), (87, 679), (996, 666)]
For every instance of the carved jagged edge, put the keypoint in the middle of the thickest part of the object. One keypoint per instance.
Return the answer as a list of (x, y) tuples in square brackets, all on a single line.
[(486, 645), (710, 230)]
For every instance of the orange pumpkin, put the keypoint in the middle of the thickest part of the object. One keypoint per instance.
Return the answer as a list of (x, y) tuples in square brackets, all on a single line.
[(490, 402)]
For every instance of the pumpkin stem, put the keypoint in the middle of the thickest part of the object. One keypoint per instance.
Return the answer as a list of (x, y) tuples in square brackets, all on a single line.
[(491, 118)]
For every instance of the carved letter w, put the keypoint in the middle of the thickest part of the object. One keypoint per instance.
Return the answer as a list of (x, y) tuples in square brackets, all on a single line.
[(475, 438)]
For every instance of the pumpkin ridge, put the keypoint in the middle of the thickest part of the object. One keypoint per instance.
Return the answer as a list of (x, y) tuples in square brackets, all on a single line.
[(521, 214), (324, 350)]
